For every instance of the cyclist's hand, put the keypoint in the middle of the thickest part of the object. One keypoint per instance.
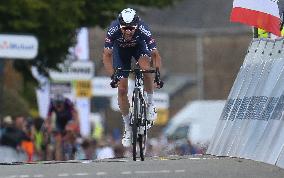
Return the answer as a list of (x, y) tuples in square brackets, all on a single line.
[(159, 84), (114, 81)]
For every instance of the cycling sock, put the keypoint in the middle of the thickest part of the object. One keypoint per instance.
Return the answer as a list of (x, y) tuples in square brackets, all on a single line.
[(126, 120), (150, 98)]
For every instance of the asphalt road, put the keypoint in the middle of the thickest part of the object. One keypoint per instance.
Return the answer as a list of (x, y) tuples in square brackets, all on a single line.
[(178, 167)]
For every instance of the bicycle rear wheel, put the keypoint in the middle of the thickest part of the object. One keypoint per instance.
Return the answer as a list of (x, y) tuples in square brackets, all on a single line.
[(135, 123)]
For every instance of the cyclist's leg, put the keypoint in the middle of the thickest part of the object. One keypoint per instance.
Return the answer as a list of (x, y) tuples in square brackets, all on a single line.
[(142, 54), (144, 60), (69, 140), (58, 147), (122, 59), (59, 131)]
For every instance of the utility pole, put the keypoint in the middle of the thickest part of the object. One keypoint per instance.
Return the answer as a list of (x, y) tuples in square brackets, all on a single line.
[(2, 66), (200, 67)]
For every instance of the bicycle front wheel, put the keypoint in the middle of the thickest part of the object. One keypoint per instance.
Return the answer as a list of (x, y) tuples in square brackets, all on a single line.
[(142, 137), (135, 123)]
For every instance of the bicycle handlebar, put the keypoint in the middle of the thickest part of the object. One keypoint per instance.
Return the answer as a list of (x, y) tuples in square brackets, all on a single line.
[(115, 78)]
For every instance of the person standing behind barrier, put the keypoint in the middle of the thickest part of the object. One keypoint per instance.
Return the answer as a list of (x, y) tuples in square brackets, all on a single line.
[(261, 33), (282, 24)]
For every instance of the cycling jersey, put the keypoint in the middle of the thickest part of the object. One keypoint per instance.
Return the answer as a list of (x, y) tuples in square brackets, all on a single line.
[(114, 37), (63, 116)]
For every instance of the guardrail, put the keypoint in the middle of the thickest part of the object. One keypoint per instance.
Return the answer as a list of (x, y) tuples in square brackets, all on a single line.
[(252, 122)]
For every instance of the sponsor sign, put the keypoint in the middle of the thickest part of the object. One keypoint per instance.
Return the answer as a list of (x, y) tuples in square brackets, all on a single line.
[(79, 70), (83, 88), (18, 46), (60, 87), (162, 116)]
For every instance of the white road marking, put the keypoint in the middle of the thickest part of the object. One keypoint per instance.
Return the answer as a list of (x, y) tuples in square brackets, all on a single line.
[(164, 171), (63, 175), (203, 158), (101, 173), (81, 174), (87, 161), (126, 172), (151, 172)]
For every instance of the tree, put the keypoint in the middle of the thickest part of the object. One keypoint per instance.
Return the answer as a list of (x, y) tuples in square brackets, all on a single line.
[(55, 22)]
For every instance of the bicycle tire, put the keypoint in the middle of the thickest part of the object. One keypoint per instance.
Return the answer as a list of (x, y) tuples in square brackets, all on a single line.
[(143, 137), (135, 123)]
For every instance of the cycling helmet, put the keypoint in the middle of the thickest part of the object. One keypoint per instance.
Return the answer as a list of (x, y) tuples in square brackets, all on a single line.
[(128, 17), (58, 99)]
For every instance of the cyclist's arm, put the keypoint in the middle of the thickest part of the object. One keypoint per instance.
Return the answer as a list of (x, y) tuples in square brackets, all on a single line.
[(151, 44), (48, 119), (108, 47), (156, 58), (107, 61), (75, 116), (70, 106)]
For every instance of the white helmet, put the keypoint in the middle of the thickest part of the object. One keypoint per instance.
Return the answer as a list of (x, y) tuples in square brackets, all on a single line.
[(128, 17)]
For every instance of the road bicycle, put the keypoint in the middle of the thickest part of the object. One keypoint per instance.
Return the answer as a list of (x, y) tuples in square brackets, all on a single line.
[(59, 150), (138, 111)]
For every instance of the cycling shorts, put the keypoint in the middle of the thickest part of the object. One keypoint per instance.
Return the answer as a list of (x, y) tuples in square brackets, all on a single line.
[(122, 56)]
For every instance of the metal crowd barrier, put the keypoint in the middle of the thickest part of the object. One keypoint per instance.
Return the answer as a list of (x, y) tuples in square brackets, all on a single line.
[(252, 122)]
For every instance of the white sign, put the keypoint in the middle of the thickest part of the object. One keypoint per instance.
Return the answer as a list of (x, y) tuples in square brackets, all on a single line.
[(60, 87), (18, 46), (101, 87), (79, 70), (161, 100)]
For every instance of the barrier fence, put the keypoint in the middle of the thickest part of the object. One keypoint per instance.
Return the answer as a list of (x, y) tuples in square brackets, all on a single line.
[(252, 122)]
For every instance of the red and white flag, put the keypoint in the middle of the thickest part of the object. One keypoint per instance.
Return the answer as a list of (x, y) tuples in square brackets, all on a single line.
[(258, 13)]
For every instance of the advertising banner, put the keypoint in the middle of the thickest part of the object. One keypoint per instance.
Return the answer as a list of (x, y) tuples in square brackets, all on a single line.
[(18, 46), (78, 70)]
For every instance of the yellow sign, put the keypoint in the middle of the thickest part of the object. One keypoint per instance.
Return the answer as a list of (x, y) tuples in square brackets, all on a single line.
[(163, 116), (83, 88)]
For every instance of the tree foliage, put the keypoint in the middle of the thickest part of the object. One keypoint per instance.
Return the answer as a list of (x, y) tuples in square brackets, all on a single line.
[(55, 22)]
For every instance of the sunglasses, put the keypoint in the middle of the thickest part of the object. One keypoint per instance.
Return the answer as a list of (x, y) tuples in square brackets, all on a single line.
[(131, 28)]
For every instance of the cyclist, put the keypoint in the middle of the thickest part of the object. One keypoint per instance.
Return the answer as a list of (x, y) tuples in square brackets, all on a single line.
[(65, 114), (128, 36)]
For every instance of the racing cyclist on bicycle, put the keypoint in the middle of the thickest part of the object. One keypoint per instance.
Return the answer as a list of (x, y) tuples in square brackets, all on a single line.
[(66, 117), (128, 36)]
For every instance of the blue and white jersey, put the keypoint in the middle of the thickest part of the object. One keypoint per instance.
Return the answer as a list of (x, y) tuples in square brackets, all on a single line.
[(114, 37)]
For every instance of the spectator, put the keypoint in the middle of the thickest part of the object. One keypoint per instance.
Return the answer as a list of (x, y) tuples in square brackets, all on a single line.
[(15, 133), (38, 137), (7, 122)]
